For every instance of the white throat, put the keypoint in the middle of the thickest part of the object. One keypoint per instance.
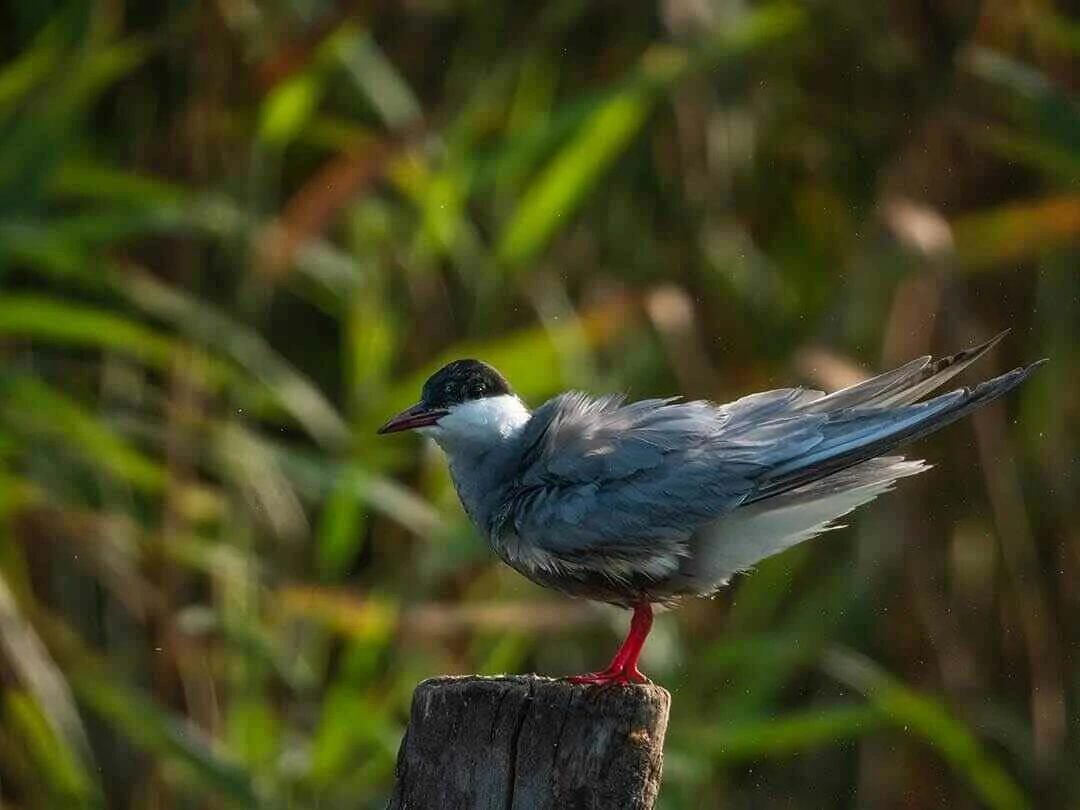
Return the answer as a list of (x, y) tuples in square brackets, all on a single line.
[(479, 425)]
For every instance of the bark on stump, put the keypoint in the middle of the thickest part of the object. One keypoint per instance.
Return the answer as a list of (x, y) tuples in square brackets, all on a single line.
[(530, 743)]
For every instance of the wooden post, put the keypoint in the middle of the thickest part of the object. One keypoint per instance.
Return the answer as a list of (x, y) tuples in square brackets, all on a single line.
[(530, 743)]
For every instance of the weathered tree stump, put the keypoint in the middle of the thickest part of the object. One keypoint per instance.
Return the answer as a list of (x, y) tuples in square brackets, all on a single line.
[(529, 743)]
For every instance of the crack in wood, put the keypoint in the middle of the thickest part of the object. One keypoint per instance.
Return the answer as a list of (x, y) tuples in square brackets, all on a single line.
[(515, 739)]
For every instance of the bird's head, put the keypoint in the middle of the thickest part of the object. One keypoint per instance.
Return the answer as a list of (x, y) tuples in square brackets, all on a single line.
[(466, 404)]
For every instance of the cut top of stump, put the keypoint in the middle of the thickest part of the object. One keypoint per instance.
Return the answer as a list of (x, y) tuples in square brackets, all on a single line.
[(531, 743)]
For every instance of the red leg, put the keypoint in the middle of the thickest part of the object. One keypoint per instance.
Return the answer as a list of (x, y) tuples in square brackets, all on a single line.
[(623, 667), (640, 626)]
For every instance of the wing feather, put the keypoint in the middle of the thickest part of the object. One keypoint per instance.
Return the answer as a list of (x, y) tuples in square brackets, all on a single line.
[(621, 491), (602, 473)]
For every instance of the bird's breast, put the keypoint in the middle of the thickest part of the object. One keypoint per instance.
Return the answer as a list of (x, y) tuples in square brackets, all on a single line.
[(479, 488)]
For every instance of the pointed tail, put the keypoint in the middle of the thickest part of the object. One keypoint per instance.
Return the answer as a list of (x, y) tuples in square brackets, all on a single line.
[(884, 421)]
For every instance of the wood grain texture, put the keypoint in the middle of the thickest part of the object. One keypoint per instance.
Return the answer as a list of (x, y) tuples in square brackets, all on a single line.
[(530, 743)]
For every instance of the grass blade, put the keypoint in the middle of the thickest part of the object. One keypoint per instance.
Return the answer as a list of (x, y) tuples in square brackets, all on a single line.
[(785, 735), (156, 731), (927, 718), (42, 410), (295, 391), (28, 656), (608, 130), (69, 323)]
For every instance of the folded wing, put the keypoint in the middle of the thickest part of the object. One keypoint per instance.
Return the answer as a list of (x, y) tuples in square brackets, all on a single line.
[(622, 489)]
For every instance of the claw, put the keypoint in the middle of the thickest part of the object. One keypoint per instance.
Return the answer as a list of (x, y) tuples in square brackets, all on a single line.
[(623, 668), (621, 678)]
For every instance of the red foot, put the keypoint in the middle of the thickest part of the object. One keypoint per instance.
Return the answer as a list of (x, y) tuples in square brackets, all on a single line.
[(623, 667), (605, 678)]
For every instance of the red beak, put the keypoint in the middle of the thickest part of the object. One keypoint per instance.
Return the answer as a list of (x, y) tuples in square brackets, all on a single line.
[(414, 417)]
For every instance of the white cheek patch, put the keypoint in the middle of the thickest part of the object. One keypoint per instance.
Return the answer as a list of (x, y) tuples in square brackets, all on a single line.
[(482, 420)]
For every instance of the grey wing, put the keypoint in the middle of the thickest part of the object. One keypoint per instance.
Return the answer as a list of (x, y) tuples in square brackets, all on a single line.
[(905, 385), (621, 488), (627, 490)]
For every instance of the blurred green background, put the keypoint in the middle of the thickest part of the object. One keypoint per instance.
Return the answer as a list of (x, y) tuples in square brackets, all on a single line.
[(235, 236)]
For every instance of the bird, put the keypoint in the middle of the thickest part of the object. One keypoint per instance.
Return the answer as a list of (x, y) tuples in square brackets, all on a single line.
[(641, 504)]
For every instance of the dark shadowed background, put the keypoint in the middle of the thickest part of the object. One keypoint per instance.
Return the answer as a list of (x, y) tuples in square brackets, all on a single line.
[(236, 235)]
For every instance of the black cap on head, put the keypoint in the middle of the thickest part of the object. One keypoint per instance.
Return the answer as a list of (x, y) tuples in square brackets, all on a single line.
[(462, 381)]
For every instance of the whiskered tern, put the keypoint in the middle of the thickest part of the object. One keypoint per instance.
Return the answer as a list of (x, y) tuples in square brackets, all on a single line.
[(645, 503)]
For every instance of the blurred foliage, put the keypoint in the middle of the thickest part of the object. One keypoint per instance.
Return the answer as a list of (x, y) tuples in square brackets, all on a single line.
[(236, 235)]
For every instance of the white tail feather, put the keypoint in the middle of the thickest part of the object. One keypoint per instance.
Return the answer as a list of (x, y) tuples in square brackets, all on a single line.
[(743, 538)]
